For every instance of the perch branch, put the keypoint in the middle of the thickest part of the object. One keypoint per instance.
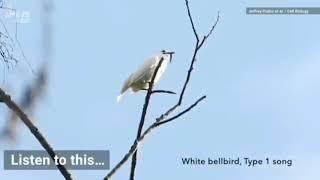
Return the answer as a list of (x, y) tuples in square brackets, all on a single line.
[(34, 130), (143, 117)]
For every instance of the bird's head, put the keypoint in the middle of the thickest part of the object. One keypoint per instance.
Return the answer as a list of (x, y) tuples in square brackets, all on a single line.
[(170, 53)]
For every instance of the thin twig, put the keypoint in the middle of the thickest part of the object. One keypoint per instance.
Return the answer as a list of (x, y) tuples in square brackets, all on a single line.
[(195, 52), (211, 31), (34, 130), (191, 21), (163, 91), (137, 142), (160, 91), (181, 113), (143, 117)]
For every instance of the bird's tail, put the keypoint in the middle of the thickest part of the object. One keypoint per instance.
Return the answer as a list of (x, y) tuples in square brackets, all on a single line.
[(124, 89), (119, 98)]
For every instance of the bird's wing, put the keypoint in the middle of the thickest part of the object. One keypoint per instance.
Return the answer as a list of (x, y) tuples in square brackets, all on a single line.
[(139, 74), (145, 69), (144, 73)]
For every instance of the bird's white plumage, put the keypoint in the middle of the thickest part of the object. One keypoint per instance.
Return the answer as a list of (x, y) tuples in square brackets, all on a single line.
[(142, 76)]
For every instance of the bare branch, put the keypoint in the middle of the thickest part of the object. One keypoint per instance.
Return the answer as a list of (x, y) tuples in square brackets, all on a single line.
[(214, 25), (137, 142), (211, 31), (181, 113), (143, 116), (196, 49), (34, 130), (191, 21)]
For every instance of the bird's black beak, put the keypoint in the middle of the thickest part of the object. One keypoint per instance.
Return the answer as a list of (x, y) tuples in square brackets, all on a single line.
[(167, 52), (170, 53)]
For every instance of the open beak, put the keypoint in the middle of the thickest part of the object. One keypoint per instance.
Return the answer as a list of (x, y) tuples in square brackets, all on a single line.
[(170, 53)]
